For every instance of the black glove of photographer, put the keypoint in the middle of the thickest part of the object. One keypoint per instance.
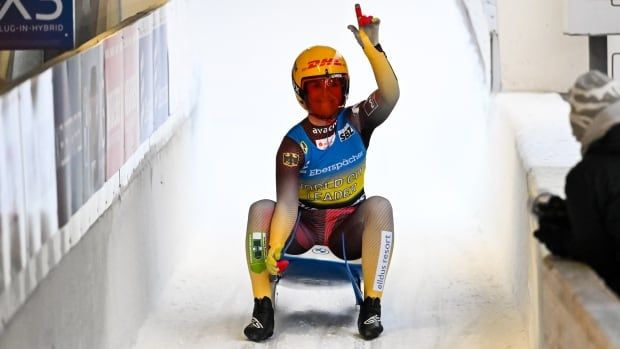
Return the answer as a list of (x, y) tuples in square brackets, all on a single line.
[(553, 224)]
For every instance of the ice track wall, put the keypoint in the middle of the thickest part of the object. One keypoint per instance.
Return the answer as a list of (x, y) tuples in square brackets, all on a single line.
[(93, 162)]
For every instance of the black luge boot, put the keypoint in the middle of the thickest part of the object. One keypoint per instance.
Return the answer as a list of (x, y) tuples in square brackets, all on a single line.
[(369, 320), (261, 325)]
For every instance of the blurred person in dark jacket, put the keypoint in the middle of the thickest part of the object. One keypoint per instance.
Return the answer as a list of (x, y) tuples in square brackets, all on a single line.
[(586, 226)]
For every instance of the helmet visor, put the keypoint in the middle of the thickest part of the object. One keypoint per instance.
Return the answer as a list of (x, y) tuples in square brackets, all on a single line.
[(325, 95)]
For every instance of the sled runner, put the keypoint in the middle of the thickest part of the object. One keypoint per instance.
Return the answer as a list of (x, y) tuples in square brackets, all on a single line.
[(319, 266)]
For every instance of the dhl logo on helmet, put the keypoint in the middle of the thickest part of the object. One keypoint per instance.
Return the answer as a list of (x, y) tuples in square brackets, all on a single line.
[(322, 62)]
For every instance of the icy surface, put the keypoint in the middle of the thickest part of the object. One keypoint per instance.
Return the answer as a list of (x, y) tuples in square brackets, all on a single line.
[(444, 289), (542, 128)]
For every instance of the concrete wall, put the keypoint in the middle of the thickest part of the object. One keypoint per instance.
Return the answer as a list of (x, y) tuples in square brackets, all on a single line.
[(100, 292), (568, 304), (535, 55), (526, 140), (576, 309), (507, 215)]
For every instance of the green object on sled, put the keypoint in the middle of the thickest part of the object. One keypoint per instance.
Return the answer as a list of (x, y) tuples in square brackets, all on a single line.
[(257, 250)]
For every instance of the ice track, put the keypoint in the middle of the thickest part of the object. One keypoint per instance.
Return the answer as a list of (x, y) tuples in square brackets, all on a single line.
[(445, 288)]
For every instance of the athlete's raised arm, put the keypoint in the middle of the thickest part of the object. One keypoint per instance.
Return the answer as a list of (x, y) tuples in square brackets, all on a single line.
[(380, 103)]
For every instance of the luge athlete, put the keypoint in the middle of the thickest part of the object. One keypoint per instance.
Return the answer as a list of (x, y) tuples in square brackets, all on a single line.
[(320, 168)]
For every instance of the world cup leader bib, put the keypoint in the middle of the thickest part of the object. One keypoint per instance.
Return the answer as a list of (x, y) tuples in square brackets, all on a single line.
[(333, 177)]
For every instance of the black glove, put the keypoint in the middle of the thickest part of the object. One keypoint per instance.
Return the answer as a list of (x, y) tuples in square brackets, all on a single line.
[(553, 223)]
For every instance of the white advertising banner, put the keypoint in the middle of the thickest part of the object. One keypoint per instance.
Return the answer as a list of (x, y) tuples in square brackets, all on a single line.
[(43, 101), (113, 63), (5, 236), (43, 111), (131, 88), (32, 199), (145, 28), (160, 67), (68, 138), (12, 201), (37, 130), (93, 113)]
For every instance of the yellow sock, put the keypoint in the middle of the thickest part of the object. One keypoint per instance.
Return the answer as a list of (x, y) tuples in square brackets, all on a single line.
[(377, 246)]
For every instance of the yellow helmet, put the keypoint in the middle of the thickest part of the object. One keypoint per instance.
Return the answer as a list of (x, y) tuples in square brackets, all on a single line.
[(318, 61)]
